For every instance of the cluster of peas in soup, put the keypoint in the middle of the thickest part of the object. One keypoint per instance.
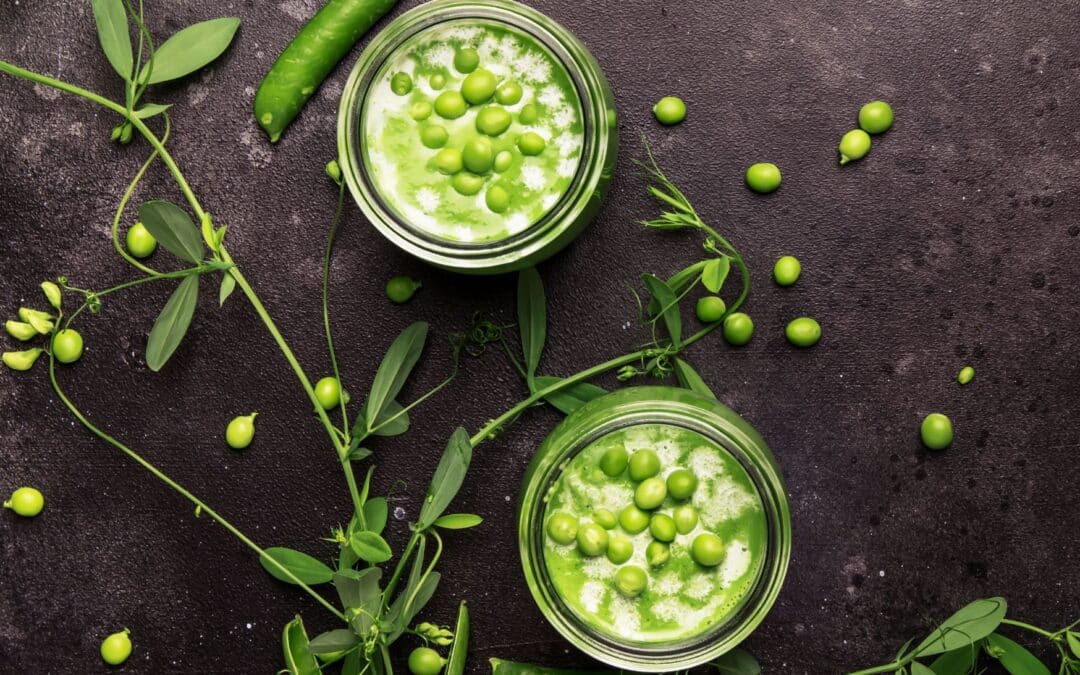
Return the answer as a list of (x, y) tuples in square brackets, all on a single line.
[(473, 131), (653, 534)]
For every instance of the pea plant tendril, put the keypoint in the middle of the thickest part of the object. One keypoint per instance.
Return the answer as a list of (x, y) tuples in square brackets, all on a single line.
[(375, 614)]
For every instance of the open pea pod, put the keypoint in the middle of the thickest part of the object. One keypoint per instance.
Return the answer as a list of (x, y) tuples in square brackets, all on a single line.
[(294, 643), (500, 667), (459, 653)]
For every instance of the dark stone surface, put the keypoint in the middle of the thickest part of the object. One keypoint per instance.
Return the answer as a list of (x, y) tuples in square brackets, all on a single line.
[(954, 242)]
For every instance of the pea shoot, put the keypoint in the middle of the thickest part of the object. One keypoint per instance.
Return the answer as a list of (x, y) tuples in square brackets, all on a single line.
[(401, 289), (670, 110), (27, 502), (763, 177)]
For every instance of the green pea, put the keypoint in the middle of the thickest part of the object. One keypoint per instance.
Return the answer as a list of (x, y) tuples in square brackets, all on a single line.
[(448, 161), (738, 329), (509, 93), (710, 309), (854, 145), (966, 374), (786, 271), (420, 111), (803, 332), (763, 177), (433, 136), (52, 293), (936, 431), (425, 661), (633, 520), (620, 549), (466, 60), (479, 155), (657, 554), (876, 117), (467, 184), (670, 110), (644, 464), (26, 502), (605, 519), (503, 161), (662, 527), (529, 114), (650, 494), (562, 528), (437, 81), (19, 330), (479, 86), (681, 483), (631, 581), (67, 346), (592, 540), (707, 550), (241, 431), (497, 199), (21, 361), (328, 393), (400, 289), (116, 648), (493, 120), (401, 84), (613, 462), (450, 105), (686, 519), (531, 143)]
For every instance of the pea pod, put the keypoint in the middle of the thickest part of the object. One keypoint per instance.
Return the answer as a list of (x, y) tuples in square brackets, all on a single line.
[(19, 330), (310, 57), (21, 361), (459, 653), (41, 321), (52, 293), (500, 667)]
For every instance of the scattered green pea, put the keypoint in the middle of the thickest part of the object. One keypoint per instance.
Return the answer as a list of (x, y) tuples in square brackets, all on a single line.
[(686, 519), (503, 161), (631, 580), (613, 462), (23, 360), (479, 155), (467, 184), (876, 117), (116, 648), (670, 110), (738, 329), (479, 86), (936, 431), (592, 540), (529, 114), (241, 431), (531, 143), (509, 93), (67, 346), (605, 519), (644, 464), (19, 330), (449, 161), (493, 120), (786, 271), (633, 520), (26, 502), (400, 289), (401, 84), (497, 199), (437, 81), (710, 309), (434, 136), (763, 177), (562, 528), (707, 549), (328, 393), (450, 105), (803, 332), (662, 527), (620, 549), (425, 661), (650, 493), (420, 111), (466, 60), (681, 483), (854, 145), (52, 293), (657, 554), (966, 374)]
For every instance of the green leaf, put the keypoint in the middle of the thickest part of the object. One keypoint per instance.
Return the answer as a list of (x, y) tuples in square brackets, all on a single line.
[(353, 664), (1014, 657), (532, 317), (172, 324), (394, 370), (448, 477), (359, 591), (358, 454), (150, 110), (459, 651), (304, 567), (370, 547), (190, 49), (715, 273), (458, 521), (399, 425), (335, 640), (112, 29), (173, 228), (395, 623), (228, 285), (294, 643), (423, 595), (967, 626), (689, 379), (375, 514), (957, 662), (1074, 643), (919, 669), (571, 398), (738, 662), (669, 307)]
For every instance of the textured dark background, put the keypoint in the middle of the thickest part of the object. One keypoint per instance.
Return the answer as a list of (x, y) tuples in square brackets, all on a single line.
[(954, 242)]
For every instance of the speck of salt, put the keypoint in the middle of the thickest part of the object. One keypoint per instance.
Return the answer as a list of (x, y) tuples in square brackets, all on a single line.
[(399, 513)]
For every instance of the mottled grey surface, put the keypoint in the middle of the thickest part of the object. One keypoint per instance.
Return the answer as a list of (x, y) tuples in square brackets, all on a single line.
[(954, 242)]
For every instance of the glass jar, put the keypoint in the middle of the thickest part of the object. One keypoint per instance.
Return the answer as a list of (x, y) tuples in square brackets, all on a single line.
[(620, 415), (577, 121)]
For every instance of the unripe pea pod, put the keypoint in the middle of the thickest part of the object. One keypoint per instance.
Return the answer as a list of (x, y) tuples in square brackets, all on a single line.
[(21, 361), (52, 293), (114, 136), (19, 330), (626, 373), (125, 134), (41, 321)]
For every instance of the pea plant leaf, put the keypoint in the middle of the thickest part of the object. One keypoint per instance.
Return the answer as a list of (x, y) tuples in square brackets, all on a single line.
[(957, 662), (715, 273), (689, 379), (376, 512), (394, 621), (448, 477), (668, 306), (738, 662), (151, 110), (370, 547), (424, 592), (458, 521), (294, 643), (393, 421), (112, 29), (396, 366), (459, 651), (173, 228), (190, 49), (532, 318), (304, 567), (967, 626), (359, 590), (681, 281), (1074, 643), (1013, 656), (228, 285), (335, 640), (172, 324), (571, 398), (919, 669)]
